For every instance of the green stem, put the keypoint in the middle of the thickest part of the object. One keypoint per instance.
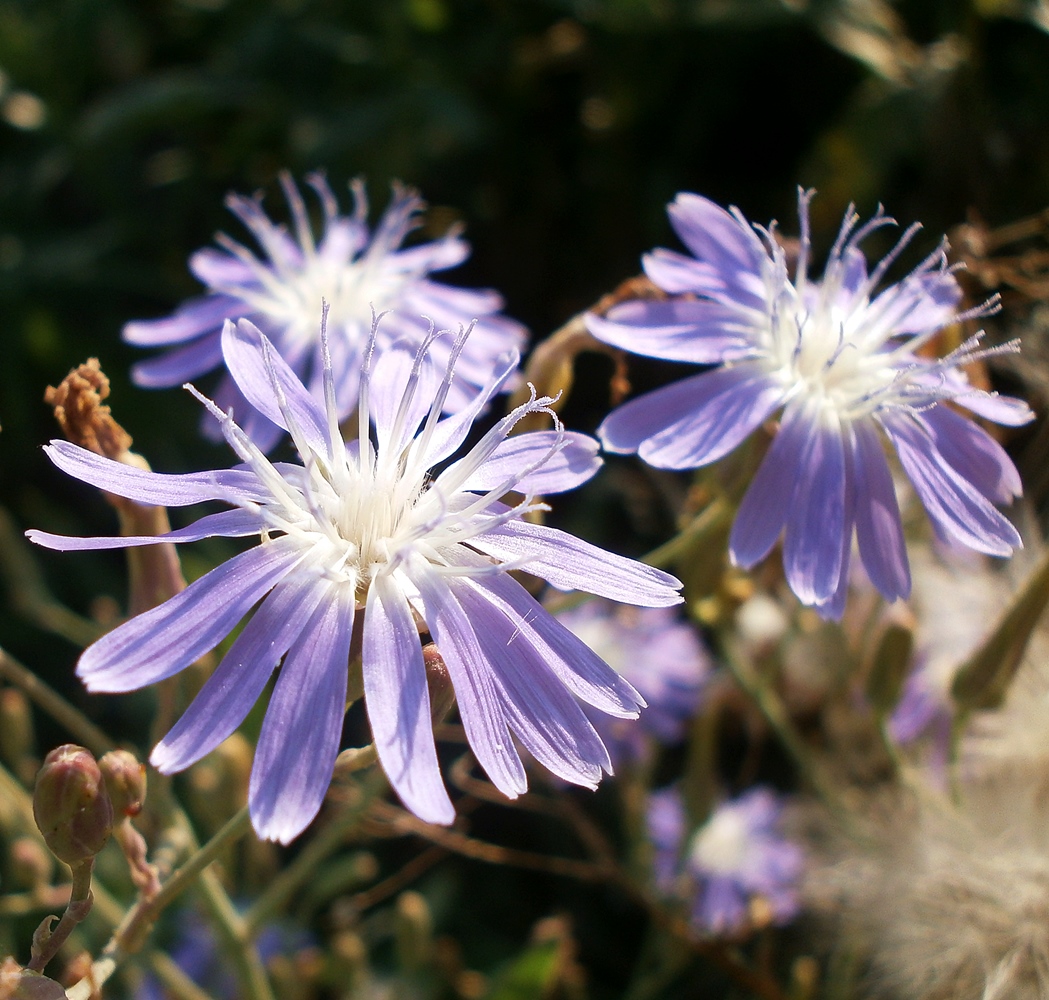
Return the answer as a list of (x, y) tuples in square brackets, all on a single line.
[(764, 696), (129, 937), (712, 519), (82, 728)]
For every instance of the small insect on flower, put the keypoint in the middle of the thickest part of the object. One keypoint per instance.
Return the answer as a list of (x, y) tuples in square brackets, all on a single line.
[(371, 527), (842, 362), (352, 269)]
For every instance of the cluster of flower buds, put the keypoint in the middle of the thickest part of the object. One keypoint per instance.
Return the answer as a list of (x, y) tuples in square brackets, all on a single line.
[(72, 805)]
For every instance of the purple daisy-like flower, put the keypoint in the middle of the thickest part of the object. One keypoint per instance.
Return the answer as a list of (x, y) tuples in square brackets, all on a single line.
[(736, 863), (841, 361), (355, 271), (370, 527), (660, 655)]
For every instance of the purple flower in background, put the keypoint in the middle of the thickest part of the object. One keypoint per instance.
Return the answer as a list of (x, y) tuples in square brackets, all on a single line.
[(369, 527), (841, 362), (736, 871), (660, 655), (355, 272)]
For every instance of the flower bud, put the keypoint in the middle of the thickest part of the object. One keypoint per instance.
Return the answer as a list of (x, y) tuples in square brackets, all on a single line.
[(442, 694), (71, 805), (125, 779), (17, 983)]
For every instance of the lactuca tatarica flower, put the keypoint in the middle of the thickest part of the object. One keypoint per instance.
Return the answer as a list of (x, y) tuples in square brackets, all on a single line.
[(843, 364), (394, 529), (736, 872), (355, 271)]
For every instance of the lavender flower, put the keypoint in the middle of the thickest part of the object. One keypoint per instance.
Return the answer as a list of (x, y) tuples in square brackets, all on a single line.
[(660, 655), (840, 362), (368, 527), (737, 870), (355, 271)]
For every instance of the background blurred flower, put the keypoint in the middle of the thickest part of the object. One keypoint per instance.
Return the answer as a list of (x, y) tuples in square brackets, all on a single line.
[(357, 273), (660, 655), (841, 362), (736, 871)]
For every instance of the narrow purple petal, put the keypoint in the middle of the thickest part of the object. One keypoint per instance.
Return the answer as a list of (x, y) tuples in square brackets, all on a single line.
[(388, 393), (767, 502), (729, 404), (216, 267), (1006, 410), (677, 274), (879, 530), (160, 642), (539, 709), (953, 503), (676, 329), (299, 741), (574, 663), (625, 429), (179, 366), (717, 238), (226, 523), (239, 680), (569, 563), (398, 703), (575, 463), (154, 488), (478, 696), (255, 370), (193, 318), (812, 545), (974, 454)]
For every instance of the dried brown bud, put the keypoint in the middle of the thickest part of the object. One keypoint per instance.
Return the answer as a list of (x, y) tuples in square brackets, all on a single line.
[(125, 779), (71, 805), (80, 413)]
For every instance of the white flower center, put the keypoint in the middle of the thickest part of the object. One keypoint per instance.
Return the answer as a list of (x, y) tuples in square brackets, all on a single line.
[(722, 844)]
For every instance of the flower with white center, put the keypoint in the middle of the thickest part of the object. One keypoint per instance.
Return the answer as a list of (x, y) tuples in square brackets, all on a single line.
[(737, 870), (658, 653), (843, 362), (372, 528), (356, 272)]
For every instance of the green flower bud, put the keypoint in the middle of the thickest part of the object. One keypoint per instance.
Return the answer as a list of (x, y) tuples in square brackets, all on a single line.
[(125, 779), (71, 805)]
